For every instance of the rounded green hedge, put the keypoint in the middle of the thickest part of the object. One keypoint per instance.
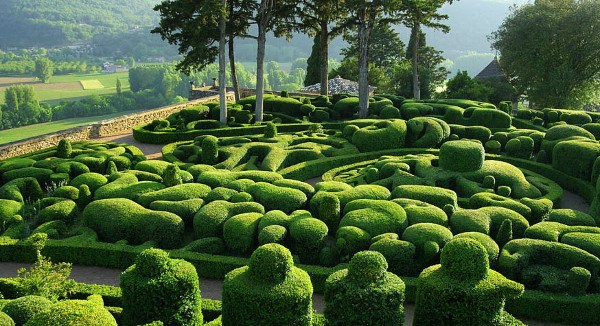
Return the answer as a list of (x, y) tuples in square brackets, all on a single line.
[(461, 156), (159, 288), (364, 293), (270, 291), (73, 312), (23, 308)]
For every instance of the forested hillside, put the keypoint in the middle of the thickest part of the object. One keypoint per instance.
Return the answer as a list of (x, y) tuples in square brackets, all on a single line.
[(48, 23)]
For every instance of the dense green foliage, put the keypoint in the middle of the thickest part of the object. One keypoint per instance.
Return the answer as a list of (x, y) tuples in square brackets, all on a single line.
[(157, 288)]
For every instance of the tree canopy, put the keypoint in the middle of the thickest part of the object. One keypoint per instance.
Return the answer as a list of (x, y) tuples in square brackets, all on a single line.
[(44, 69), (550, 51)]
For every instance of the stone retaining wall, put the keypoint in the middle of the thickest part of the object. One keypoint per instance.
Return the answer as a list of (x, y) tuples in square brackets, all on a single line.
[(110, 127)]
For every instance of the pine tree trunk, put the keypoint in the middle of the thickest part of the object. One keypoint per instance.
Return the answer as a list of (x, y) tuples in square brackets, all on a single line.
[(415, 62), (234, 79), (222, 81), (324, 58), (363, 73), (260, 76)]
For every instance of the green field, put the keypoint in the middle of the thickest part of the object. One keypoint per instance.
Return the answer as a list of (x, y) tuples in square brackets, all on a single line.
[(15, 134), (70, 87)]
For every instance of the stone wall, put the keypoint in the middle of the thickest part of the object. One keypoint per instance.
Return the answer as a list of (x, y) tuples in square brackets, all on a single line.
[(116, 126)]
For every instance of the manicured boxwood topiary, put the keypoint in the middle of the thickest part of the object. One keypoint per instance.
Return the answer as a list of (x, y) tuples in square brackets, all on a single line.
[(461, 156), (186, 209), (571, 217), (399, 254), (127, 186), (421, 212), (576, 158), (210, 245), (119, 218), (6, 320), (74, 312), (364, 293), (175, 193), (241, 231), (307, 236), (375, 216), (272, 234), (346, 107), (23, 308), (64, 149), (41, 175), (209, 220), (8, 209), (270, 291), (159, 288), (426, 132), (380, 136), (92, 180), (277, 198), (463, 290), (65, 211), (429, 194)]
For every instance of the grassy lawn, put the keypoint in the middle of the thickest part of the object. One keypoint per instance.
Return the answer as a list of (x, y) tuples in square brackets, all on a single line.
[(71, 87), (11, 135)]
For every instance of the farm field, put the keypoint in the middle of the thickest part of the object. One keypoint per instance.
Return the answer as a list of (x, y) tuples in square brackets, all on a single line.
[(15, 134), (69, 87)]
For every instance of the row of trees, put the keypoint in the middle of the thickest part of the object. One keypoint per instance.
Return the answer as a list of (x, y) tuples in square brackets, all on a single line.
[(199, 30)]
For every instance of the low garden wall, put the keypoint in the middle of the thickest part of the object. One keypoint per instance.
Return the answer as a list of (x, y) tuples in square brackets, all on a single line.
[(116, 126)]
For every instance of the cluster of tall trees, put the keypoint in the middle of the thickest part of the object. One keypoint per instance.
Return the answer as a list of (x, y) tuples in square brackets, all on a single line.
[(550, 51), (200, 29)]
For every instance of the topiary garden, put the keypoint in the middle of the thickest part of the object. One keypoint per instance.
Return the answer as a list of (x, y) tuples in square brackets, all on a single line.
[(398, 207)]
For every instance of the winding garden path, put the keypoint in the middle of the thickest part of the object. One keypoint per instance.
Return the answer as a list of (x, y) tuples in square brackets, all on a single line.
[(211, 289)]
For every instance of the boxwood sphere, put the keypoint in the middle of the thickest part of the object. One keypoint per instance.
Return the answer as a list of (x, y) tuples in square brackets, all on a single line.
[(461, 156)]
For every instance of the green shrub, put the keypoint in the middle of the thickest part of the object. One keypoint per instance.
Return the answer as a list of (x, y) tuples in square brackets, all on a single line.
[(175, 193), (364, 293), (307, 236), (399, 254), (432, 195), (186, 209), (286, 105), (575, 158), (119, 218), (389, 112), (74, 312), (67, 192), (426, 132), (277, 198), (490, 118), (380, 136), (579, 280), (270, 291), (65, 211), (153, 166), (421, 212), (92, 180), (487, 220), (270, 130), (519, 254), (194, 113), (485, 199), (420, 234), (64, 149), (463, 290), (320, 116), (593, 128), (96, 161), (23, 308), (571, 217), (351, 239), (22, 189), (209, 220), (375, 216), (461, 156), (272, 234), (491, 248), (159, 288), (241, 231), (346, 107), (16, 163), (210, 150), (210, 245), (41, 175), (8, 209), (6, 320)]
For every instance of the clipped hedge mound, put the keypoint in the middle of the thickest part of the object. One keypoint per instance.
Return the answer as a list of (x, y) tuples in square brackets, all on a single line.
[(119, 218)]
